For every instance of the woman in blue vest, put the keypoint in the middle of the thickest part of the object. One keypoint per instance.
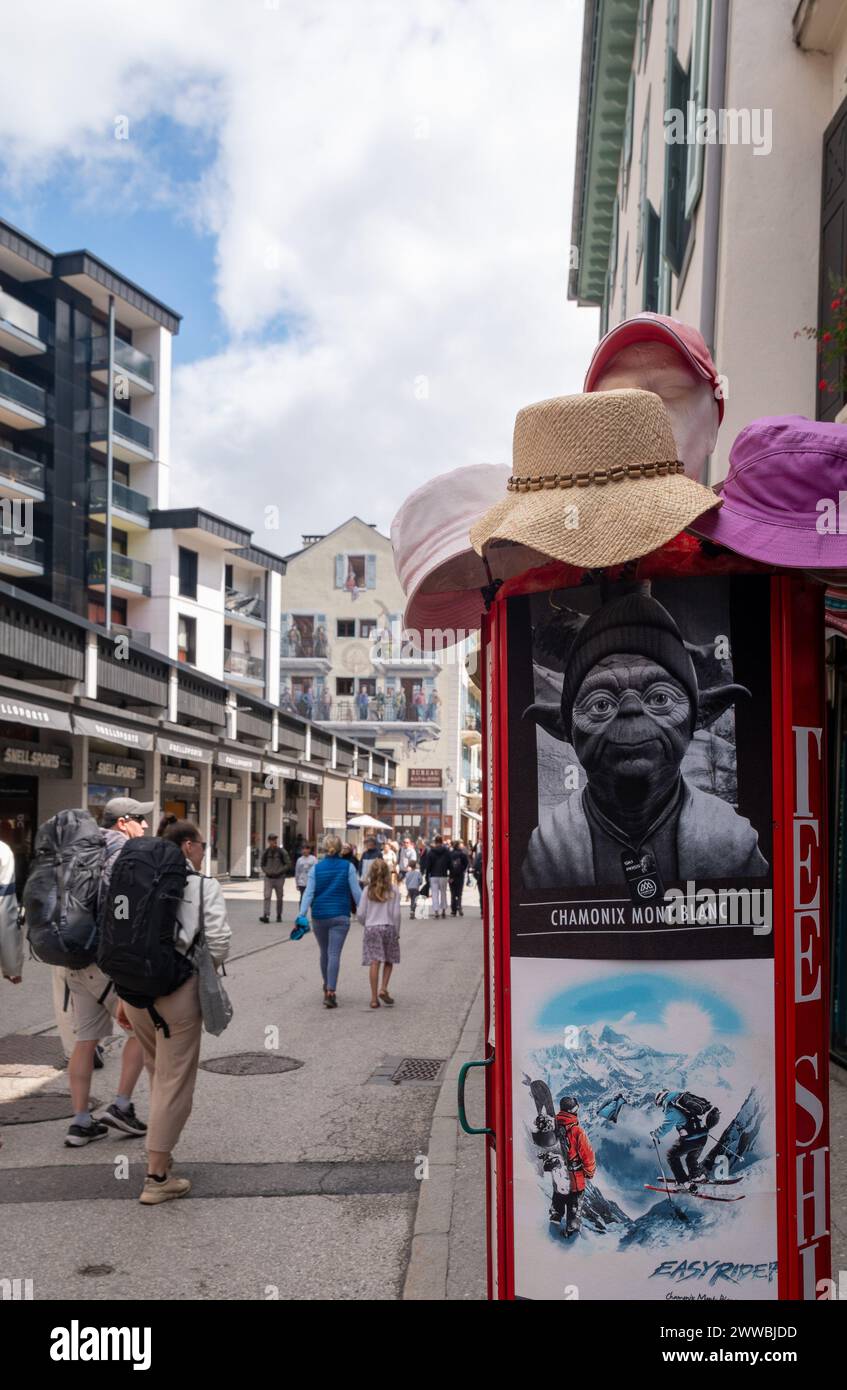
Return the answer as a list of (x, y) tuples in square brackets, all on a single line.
[(331, 886)]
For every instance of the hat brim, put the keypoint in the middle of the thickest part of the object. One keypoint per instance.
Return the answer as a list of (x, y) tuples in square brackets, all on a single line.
[(757, 538), (600, 525), (638, 330), (450, 598)]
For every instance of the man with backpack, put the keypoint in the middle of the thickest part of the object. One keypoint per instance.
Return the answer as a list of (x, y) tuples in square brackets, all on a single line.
[(692, 1117), (458, 870), (90, 997), (579, 1166), (275, 864)]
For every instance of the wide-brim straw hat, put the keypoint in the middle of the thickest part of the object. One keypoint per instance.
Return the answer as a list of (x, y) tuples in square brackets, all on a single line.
[(595, 481)]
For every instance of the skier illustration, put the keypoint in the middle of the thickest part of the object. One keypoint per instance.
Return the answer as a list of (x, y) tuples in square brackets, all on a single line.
[(692, 1117)]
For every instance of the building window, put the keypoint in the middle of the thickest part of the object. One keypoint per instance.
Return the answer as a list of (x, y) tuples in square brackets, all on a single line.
[(645, 24), (344, 685), (186, 640), (187, 573), (627, 134), (355, 572), (642, 189), (97, 610), (367, 627), (345, 627), (675, 225), (698, 77), (652, 260)]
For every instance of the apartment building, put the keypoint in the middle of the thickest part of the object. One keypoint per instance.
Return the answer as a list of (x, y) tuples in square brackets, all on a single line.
[(344, 664), (740, 231), (149, 666)]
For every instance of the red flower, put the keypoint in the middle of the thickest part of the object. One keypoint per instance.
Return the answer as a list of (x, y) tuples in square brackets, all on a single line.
[(836, 304), (823, 385), (826, 338)]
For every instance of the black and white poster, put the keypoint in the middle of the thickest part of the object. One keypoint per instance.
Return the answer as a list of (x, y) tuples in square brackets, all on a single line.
[(640, 770)]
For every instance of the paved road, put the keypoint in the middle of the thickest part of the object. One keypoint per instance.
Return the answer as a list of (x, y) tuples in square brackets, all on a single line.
[(313, 1172)]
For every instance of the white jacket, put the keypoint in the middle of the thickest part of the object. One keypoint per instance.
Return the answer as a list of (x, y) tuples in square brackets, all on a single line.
[(218, 930), (11, 936)]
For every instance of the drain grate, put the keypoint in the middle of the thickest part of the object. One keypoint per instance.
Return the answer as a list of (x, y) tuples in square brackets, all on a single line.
[(251, 1064), (32, 1110), (418, 1069), (27, 1049)]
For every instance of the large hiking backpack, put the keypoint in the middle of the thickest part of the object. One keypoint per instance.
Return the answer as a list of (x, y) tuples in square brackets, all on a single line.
[(701, 1112), (60, 894), (139, 925)]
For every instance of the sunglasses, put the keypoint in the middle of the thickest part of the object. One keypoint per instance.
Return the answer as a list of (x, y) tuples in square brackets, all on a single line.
[(201, 843)]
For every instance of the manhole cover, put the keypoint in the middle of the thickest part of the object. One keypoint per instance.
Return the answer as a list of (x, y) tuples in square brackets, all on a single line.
[(251, 1064), (417, 1069), (26, 1049), (32, 1110), (96, 1270)]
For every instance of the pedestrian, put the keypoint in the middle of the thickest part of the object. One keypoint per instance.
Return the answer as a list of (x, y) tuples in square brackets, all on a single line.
[(275, 864), (389, 855), (476, 870), (414, 880), (11, 936), (348, 852), (372, 851), (92, 1002), (172, 1053), (167, 819), (331, 884), (458, 866), (407, 859), (379, 913), (305, 862), (438, 874)]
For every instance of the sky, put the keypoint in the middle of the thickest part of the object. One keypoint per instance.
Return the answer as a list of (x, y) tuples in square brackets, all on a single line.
[(360, 208)]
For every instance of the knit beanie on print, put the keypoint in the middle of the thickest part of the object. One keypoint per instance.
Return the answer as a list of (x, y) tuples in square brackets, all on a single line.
[(637, 625)]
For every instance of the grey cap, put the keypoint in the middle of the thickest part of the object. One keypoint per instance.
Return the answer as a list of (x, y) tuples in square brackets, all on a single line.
[(125, 806)]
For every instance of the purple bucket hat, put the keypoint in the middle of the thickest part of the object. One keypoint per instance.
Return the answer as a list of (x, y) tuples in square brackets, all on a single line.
[(781, 495)]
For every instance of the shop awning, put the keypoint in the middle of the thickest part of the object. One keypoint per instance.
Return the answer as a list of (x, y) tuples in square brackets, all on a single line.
[(175, 748), (280, 770), (471, 815), (20, 711), (112, 733), (240, 762)]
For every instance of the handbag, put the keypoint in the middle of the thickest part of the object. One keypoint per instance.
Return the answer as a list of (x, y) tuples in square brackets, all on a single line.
[(215, 1004)]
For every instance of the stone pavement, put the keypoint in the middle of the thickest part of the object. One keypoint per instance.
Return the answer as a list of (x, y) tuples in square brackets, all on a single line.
[(315, 1172)]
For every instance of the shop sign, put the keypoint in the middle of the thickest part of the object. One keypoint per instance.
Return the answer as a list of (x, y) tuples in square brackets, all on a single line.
[(424, 776), (180, 779), (112, 733), (378, 789), (355, 797), (25, 712), (120, 770), (304, 776), (226, 786), (639, 811), (241, 762), (29, 757), (259, 791), (194, 752)]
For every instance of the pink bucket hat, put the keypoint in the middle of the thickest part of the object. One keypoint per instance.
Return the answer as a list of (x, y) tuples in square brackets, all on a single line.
[(656, 328), (441, 574)]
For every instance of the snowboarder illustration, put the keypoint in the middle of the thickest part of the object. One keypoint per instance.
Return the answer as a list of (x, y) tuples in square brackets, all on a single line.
[(692, 1117), (565, 1154)]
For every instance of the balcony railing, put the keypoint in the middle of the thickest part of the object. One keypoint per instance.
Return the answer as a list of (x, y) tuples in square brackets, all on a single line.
[(124, 569), (375, 709), (22, 392), (130, 358), (27, 472), (133, 633), (126, 498), (472, 720), (241, 605), (243, 664), (29, 549), (124, 427), (20, 316), (308, 647)]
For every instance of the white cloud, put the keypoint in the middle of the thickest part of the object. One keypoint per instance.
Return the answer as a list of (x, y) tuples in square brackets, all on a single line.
[(394, 180)]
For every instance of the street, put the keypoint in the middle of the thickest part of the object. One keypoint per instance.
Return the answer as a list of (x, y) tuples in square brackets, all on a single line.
[(306, 1181)]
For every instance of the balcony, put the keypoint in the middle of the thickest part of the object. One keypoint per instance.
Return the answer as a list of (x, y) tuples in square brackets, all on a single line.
[(248, 609), (245, 669), (131, 577), (132, 440), (142, 639), (20, 477), (22, 404), (20, 327), (396, 658), (133, 365), (370, 714), (130, 509), (308, 655), (23, 560), (471, 728)]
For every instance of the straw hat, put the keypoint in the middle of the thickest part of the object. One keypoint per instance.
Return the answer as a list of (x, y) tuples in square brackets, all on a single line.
[(595, 481)]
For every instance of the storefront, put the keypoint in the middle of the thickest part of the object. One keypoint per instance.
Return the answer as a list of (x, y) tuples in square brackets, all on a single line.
[(116, 765), (420, 816), (334, 806), (34, 765), (310, 798), (260, 811)]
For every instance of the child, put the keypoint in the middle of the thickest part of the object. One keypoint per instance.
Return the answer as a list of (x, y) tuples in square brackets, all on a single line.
[(414, 879), (379, 913)]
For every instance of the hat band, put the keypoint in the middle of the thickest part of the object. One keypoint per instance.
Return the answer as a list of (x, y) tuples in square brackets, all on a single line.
[(596, 475)]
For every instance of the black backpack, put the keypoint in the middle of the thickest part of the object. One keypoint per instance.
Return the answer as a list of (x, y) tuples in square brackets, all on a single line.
[(139, 924), (60, 894), (701, 1112)]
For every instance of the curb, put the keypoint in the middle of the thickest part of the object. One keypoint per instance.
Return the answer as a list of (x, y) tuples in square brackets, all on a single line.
[(426, 1272)]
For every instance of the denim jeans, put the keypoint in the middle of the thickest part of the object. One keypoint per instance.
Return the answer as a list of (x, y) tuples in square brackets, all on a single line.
[(330, 934)]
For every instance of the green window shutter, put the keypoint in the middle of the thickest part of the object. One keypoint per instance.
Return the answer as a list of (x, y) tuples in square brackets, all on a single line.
[(652, 259), (642, 188), (627, 133), (340, 571), (698, 78), (613, 244), (675, 227), (370, 571), (624, 278)]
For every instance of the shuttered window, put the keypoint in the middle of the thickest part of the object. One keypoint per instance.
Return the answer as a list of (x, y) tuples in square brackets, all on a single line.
[(698, 95)]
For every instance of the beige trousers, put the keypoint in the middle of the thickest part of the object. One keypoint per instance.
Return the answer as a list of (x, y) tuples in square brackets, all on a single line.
[(171, 1062)]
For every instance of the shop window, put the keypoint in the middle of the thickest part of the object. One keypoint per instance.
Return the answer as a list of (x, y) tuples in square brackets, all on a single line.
[(345, 627), (186, 640), (187, 573)]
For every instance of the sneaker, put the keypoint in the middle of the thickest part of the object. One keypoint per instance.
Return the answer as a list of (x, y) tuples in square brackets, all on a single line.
[(155, 1192), (80, 1135), (99, 1062), (264, 919), (125, 1120)]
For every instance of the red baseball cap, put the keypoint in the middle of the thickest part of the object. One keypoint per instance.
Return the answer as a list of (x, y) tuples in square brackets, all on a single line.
[(656, 328)]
